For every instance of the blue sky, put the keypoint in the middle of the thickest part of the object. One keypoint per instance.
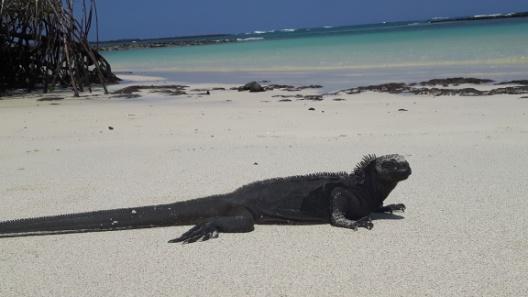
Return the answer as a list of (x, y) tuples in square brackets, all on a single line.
[(164, 18)]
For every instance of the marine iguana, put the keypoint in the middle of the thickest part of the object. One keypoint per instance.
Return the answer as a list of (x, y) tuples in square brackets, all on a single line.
[(341, 199)]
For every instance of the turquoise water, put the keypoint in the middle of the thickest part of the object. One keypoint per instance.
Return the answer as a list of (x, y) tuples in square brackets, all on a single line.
[(493, 47)]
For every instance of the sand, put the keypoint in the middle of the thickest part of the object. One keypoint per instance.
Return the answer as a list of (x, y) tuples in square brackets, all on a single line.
[(463, 234)]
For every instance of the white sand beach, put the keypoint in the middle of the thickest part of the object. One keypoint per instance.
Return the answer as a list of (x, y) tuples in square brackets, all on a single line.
[(464, 232)]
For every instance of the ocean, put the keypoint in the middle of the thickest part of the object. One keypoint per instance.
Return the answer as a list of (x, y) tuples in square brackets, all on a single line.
[(345, 56)]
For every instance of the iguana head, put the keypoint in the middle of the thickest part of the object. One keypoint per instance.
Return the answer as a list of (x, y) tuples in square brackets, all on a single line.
[(392, 168)]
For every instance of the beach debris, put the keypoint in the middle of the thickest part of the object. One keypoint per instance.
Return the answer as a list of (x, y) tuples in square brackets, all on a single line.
[(285, 100), (110, 128), (412, 89), (310, 87), (202, 91), (289, 96), (302, 97), (257, 87), (339, 99), (311, 108), (515, 82), (172, 90), (312, 97), (50, 99), (290, 88), (455, 81), (255, 163), (251, 87), (127, 96), (402, 109)]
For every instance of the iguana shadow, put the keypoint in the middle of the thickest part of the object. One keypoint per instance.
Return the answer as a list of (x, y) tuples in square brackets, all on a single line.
[(386, 216), (373, 216)]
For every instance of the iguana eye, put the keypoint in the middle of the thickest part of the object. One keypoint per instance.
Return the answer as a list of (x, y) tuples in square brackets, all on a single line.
[(388, 165)]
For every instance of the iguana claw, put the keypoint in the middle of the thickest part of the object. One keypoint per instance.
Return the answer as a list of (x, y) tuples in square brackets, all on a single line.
[(392, 208), (203, 232), (399, 207), (365, 223)]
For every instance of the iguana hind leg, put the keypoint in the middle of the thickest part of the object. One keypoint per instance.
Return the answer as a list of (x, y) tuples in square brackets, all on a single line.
[(212, 227)]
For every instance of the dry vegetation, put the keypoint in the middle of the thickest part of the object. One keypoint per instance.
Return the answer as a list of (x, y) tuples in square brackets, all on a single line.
[(44, 44)]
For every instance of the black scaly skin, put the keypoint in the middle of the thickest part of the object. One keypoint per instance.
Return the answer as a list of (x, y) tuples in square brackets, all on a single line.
[(341, 199)]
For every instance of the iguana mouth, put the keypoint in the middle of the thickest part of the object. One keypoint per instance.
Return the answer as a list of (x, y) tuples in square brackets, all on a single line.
[(404, 173)]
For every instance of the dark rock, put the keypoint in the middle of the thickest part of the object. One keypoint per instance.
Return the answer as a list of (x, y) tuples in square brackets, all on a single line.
[(402, 109), (455, 81), (166, 42), (393, 88), (353, 91), (510, 90), (338, 99), (313, 97), (469, 92), (515, 82), (402, 88), (285, 100), (310, 87), (110, 128), (252, 87), (278, 86), (171, 92), (311, 108)]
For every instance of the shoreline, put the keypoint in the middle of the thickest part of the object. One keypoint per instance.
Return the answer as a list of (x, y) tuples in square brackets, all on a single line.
[(136, 86)]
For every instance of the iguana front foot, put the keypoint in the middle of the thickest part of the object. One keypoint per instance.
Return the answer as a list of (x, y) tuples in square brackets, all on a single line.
[(365, 222), (392, 208), (203, 232)]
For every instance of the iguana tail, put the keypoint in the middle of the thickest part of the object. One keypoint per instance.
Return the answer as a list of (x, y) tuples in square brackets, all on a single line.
[(180, 213)]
